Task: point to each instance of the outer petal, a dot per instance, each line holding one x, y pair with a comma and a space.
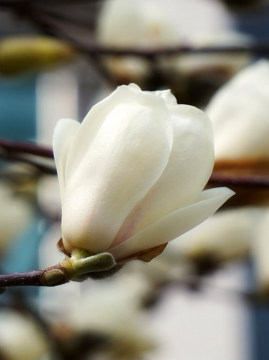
167, 96
187, 172
63, 134
95, 118
174, 224
126, 158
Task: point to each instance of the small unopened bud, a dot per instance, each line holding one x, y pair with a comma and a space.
31, 53
52, 277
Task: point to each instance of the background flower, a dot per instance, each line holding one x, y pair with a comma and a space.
239, 113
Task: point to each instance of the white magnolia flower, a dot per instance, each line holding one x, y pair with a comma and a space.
239, 112
131, 175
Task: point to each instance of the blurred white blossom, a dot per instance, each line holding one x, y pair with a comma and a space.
17, 208
224, 237
137, 25
239, 113
112, 308
260, 254
158, 25
20, 337
48, 194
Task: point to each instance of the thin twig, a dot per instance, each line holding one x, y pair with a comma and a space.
35, 278
43, 168
31, 278
53, 25
250, 181
27, 148
13, 4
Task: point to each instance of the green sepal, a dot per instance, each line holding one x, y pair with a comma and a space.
81, 264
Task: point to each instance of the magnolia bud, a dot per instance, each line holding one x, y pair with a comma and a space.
31, 53
132, 174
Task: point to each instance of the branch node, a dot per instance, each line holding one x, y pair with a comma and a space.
52, 277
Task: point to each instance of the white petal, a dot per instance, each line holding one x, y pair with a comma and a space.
174, 224
93, 121
64, 131
188, 170
168, 97
127, 156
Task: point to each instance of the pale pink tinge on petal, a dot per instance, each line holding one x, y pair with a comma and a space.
173, 225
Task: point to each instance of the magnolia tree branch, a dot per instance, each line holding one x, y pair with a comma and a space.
248, 181
57, 25
26, 148
40, 157
78, 267
104, 263
34, 278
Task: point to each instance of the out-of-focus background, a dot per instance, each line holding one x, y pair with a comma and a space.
207, 295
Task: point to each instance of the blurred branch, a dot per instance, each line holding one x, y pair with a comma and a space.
26, 148
258, 48
35, 155
34, 278
57, 24
43, 168
250, 181
13, 3
56, 275
247, 174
